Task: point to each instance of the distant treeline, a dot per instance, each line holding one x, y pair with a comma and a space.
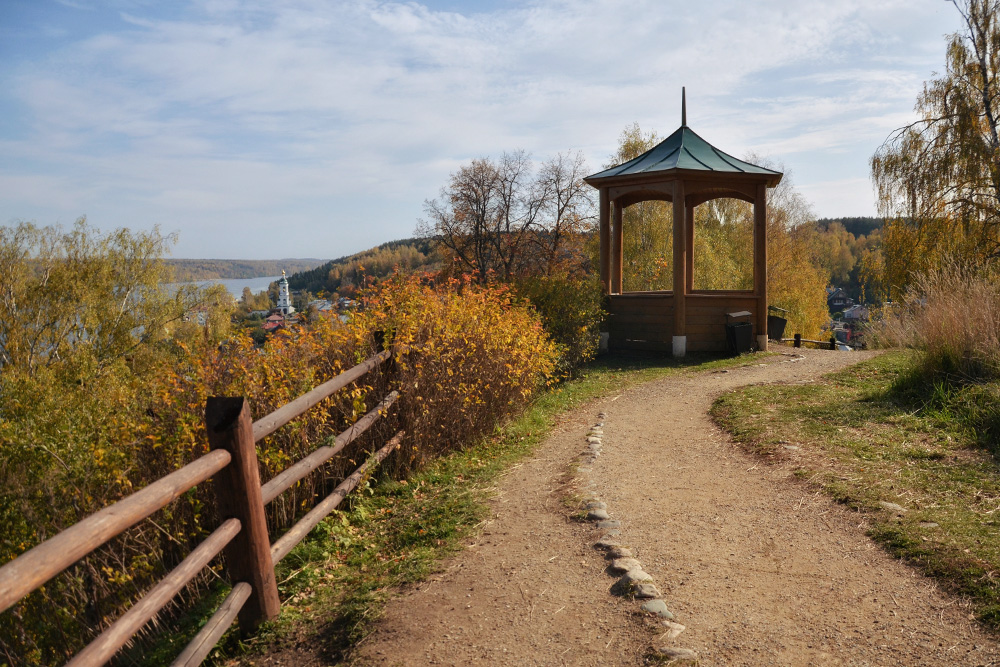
187, 270
840, 245
861, 226
344, 275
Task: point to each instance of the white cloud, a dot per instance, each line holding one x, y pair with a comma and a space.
334, 111
847, 197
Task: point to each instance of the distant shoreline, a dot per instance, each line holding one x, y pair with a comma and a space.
198, 270
233, 285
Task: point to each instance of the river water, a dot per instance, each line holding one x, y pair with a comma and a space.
234, 285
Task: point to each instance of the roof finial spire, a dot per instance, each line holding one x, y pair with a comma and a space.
684, 107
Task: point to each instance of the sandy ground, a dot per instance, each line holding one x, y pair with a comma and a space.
759, 568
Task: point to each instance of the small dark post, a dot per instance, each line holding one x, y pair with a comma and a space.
798, 340
833, 342
237, 488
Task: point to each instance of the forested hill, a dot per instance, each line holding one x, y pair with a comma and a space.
345, 275
839, 244
187, 270
861, 226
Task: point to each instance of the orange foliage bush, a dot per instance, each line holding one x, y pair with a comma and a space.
471, 357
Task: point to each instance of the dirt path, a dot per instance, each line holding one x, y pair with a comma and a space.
758, 568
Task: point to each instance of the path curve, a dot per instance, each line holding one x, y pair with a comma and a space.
758, 568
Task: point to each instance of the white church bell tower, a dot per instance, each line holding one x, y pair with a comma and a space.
284, 301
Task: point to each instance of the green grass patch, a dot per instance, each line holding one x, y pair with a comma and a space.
872, 433
393, 532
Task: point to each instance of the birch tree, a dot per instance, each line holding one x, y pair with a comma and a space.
938, 178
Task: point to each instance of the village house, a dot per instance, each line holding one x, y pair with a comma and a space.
856, 313
274, 322
837, 299
322, 306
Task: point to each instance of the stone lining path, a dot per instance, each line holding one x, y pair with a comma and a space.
743, 564
633, 581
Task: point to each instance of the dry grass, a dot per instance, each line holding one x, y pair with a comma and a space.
952, 315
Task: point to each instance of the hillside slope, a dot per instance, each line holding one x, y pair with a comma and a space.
188, 270
346, 274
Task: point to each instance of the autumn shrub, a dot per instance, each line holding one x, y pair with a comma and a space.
472, 356
67, 454
952, 317
572, 310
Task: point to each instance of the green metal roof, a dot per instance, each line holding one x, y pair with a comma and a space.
685, 150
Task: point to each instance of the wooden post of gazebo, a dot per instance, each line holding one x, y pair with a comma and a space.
605, 231
687, 171
617, 250
760, 262
678, 343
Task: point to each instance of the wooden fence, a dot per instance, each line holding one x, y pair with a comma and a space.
242, 532
798, 340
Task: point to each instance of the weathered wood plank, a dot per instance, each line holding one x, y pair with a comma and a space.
643, 345
642, 317
715, 311
645, 294
680, 260
210, 634
722, 294
716, 330
760, 256
268, 424
298, 532
708, 346
689, 246
111, 640
636, 297
237, 492
617, 249
35, 567
724, 306
643, 309
623, 322
293, 473
605, 232
661, 334
710, 322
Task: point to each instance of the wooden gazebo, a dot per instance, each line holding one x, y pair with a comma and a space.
686, 170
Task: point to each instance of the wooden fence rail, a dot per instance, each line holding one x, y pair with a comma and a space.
242, 533
798, 340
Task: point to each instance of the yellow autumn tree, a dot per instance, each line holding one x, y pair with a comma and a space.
795, 280
938, 178
723, 254
723, 245
647, 242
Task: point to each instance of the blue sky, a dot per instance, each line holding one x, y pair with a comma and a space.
317, 128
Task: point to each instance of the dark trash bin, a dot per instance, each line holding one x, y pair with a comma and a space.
776, 323
739, 334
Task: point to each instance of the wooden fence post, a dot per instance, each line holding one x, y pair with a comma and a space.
798, 340
237, 488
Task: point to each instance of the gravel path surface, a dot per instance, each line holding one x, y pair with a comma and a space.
756, 568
